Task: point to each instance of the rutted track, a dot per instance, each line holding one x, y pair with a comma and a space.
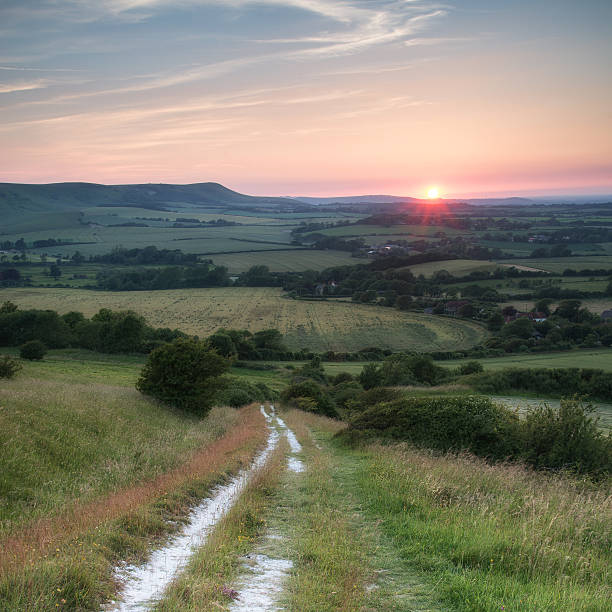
145, 584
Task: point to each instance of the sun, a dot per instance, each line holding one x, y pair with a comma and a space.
433, 193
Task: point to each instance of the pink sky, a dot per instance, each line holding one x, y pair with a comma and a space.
297, 97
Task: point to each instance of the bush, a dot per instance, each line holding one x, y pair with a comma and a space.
471, 367
240, 392
453, 423
372, 397
33, 350
8, 366
557, 382
567, 438
318, 400
185, 373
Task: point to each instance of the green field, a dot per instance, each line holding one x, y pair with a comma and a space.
286, 261
315, 325
559, 264
71, 429
456, 267
390, 230
599, 359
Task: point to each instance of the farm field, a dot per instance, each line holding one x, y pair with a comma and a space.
389, 230
596, 305
97, 240
285, 261
599, 359
456, 267
559, 264
324, 325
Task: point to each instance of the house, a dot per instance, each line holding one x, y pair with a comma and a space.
606, 315
451, 308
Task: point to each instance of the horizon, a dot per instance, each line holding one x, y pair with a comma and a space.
600, 197
310, 97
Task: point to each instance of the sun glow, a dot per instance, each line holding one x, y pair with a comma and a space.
433, 193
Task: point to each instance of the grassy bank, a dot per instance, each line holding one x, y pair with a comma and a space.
94, 474
492, 537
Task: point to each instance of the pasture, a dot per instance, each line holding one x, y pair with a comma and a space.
315, 325
456, 267
559, 264
599, 359
285, 261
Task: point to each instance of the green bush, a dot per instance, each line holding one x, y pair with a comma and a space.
568, 437
372, 397
557, 382
186, 373
456, 423
318, 402
239, 392
8, 366
471, 367
33, 350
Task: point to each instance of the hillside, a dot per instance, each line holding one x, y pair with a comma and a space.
18, 198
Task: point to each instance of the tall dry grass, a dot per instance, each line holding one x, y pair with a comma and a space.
494, 536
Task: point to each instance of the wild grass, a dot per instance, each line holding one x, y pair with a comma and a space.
493, 537
330, 569
67, 561
60, 443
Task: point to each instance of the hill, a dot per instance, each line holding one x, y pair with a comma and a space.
17, 199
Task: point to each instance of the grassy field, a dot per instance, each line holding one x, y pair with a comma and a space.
390, 230
457, 267
559, 264
596, 305
492, 537
326, 325
97, 240
285, 261
600, 358
78, 432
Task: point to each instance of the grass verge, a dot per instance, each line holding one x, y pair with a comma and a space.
67, 561
493, 537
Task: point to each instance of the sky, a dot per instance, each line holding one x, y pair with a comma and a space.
310, 97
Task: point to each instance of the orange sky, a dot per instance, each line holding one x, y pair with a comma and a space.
310, 97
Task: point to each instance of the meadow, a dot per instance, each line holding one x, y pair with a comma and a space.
586, 358
559, 264
315, 325
491, 537
285, 261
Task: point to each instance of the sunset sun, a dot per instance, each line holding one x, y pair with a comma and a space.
433, 193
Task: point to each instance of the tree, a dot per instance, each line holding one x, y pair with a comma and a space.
185, 373
496, 321
8, 366
55, 271
370, 376
34, 350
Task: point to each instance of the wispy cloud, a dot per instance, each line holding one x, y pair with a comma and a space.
22, 86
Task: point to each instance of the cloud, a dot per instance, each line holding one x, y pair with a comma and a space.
22, 86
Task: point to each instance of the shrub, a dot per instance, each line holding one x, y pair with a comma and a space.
372, 397
547, 381
8, 366
321, 402
454, 423
185, 373
240, 392
370, 376
566, 438
471, 367
33, 350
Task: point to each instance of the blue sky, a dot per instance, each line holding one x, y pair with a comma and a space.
310, 96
